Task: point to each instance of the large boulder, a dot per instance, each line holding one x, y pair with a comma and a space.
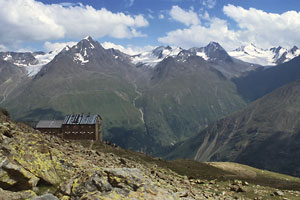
15, 177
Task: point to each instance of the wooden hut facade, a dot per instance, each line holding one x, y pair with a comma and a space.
74, 127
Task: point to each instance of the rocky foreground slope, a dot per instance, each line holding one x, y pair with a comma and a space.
37, 166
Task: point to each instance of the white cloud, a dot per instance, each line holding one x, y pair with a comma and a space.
49, 46
197, 35
161, 16
185, 17
256, 26
3, 48
266, 29
130, 50
30, 20
209, 3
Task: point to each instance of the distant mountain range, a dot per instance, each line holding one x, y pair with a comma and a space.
265, 57
34, 61
147, 101
249, 53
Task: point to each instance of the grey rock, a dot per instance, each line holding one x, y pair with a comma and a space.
182, 194
278, 193
98, 183
46, 197
120, 177
5, 195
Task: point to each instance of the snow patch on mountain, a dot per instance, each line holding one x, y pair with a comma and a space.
152, 58
8, 57
202, 55
80, 58
43, 59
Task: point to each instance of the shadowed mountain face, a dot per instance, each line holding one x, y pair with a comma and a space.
260, 82
185, 95
266, 134
10, 77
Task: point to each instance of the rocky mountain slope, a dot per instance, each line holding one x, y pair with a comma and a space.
265, 134
37, 166
264, 57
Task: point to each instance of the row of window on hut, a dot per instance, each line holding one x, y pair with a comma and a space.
74, 127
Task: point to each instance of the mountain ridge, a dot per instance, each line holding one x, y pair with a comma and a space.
34, 61
265, 57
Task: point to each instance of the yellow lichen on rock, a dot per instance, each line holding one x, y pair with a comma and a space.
37, 163
14, 175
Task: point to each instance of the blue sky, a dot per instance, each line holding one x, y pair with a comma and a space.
136, 25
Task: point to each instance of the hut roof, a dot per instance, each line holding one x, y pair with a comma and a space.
49, 124
81, 119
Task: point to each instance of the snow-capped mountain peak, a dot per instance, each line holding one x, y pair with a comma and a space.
161, 51
273, 56
83, 49
86, 43
212, 52
214, 45
88, 38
